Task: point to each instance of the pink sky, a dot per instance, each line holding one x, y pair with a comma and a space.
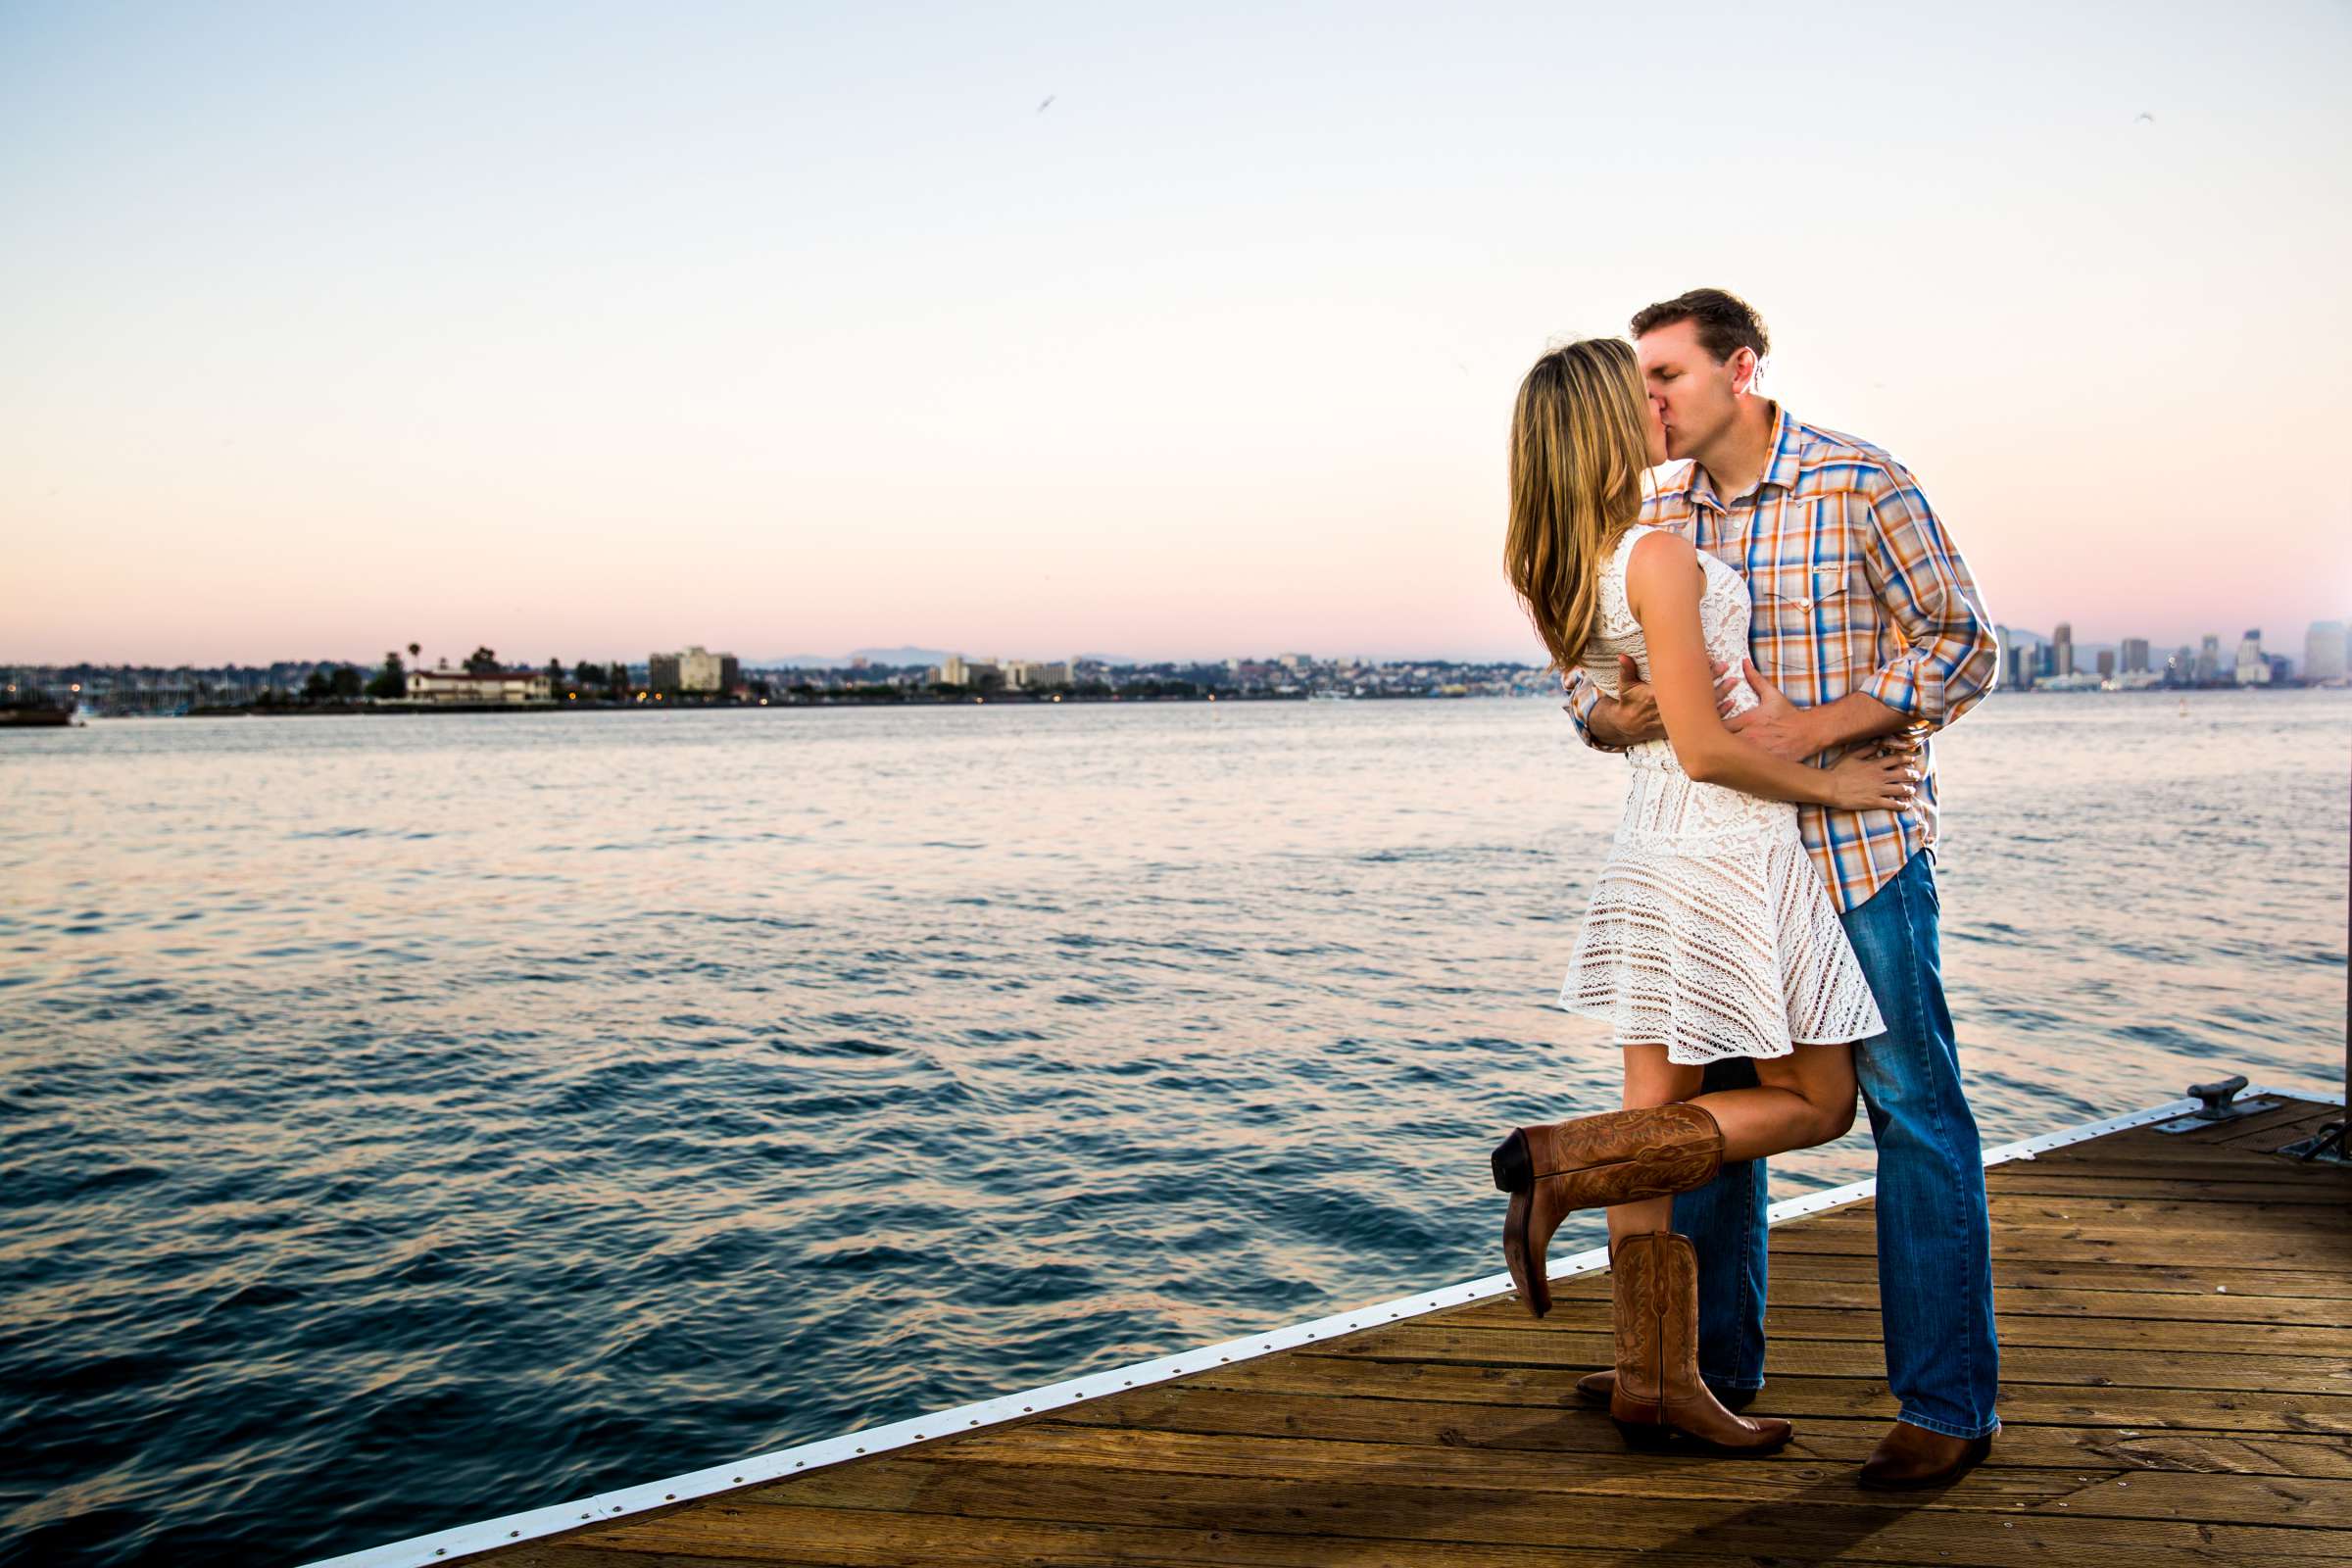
324, 340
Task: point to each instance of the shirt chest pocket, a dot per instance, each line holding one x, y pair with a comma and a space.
1820, 618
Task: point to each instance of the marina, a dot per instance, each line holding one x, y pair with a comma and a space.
2176, 1378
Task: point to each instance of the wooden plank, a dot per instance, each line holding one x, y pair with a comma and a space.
1561, 1430
1596, 1473
2283, 1252
2207, 1165
2166, 1213
1789, 1291
1573, 1348
2142, 1408
2129, 1331
841, 1538
2172, 1494
2205, 1277
2238, 1499
2034, 1178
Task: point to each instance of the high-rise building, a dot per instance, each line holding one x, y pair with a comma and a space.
2253, 666
2062, 649
2209, 660
2323, 651
2106, 664
2017, 659
2136, 655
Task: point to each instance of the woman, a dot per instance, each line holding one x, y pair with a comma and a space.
1709, 934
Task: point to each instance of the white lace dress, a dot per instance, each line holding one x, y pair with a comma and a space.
1709, 932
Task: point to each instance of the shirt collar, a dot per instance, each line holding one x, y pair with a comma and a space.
1781, 470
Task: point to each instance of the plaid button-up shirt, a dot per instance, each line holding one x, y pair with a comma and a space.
1856, 588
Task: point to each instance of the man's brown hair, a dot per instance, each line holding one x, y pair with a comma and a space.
1727, 323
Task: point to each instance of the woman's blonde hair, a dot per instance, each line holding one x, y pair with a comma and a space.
1578, 453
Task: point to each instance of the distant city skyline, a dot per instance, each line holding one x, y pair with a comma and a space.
593, 327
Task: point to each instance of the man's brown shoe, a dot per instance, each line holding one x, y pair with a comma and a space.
1910, 1457
1594, 1387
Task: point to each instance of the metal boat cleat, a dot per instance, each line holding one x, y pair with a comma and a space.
2221, 1103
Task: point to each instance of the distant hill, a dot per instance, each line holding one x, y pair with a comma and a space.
910, 656
872, 656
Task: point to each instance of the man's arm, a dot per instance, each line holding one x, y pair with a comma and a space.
1948, 657
1949, 654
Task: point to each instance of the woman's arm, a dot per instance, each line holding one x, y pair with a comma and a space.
1663, 581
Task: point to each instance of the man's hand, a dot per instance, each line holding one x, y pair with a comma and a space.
1630, 717
1774, 724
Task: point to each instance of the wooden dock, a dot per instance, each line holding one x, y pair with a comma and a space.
2175, 1320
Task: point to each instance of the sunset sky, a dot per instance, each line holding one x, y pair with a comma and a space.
586, 329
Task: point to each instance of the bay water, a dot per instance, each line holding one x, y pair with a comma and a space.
406, 1120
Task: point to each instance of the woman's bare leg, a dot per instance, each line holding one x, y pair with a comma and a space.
1800, 1100
1650, 1080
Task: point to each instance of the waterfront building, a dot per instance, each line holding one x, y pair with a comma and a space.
2183, 665
2323, 651
446, 685
976, 673
2106, 664
2209, 660
1024, 675
2253, 667
2134, 655
2062, 649
696, 672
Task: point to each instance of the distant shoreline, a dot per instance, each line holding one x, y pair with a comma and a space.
1016, 700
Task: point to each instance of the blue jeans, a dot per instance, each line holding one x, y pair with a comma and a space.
1935, 1236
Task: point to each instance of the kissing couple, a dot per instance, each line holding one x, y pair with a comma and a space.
1769, 636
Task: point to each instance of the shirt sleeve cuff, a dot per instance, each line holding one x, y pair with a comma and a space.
1582, 697
1911, 691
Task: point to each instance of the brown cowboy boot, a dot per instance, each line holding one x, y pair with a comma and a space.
1659, 1397
1616, 1158
1596, 1388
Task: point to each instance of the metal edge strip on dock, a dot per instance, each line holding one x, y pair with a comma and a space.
445, 1545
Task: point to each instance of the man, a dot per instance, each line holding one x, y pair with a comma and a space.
1868, 630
